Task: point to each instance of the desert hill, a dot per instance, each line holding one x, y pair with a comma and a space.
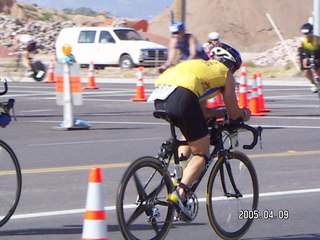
242, 23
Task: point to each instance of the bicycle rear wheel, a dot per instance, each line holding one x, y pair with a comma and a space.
142, 209
15, 71
11, 182
224, 204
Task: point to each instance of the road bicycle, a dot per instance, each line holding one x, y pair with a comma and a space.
143, 211
10, 171
17, 69
313, 63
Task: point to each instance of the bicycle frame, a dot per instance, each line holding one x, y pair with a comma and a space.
170, 148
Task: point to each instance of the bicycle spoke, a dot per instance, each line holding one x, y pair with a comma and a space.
155, 225
139, 210
141, 192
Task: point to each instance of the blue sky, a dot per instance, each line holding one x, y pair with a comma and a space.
142, 9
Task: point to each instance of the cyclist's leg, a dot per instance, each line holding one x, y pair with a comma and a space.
200, 149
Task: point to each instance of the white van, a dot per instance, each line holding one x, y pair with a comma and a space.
120, 46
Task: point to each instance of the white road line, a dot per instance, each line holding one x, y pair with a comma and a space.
93, 142
111, 208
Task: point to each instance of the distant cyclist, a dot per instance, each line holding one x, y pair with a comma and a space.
309, 47
182, 42
29, 44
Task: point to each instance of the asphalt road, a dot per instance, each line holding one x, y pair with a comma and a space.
56, 163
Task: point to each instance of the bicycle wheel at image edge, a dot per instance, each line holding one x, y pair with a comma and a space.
142, 209
11, 182
224, 212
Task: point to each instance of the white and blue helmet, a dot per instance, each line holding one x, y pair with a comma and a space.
176, 27
228, 55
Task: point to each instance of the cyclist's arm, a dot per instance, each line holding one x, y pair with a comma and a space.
210, 113
192, 47
171, 52
230, 100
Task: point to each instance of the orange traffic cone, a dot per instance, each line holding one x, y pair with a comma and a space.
50, 72
140, 97
260, 93
91, 78
219, 100
211, 103
243, 94
254, 102
94, 225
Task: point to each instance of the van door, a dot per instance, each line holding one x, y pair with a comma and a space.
85, 50
106, 51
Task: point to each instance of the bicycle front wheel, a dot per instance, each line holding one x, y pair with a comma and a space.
11, 181
232, 195
142, 209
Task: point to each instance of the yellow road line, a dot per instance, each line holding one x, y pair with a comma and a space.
120, 165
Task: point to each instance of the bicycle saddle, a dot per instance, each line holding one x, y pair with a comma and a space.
163, 114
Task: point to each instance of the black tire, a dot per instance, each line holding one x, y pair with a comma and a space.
317, 81
225, 212
11, 182
15, 71
40, 71
142, 209
126, 62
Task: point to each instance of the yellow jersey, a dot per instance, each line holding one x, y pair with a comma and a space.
311, 46
204, 78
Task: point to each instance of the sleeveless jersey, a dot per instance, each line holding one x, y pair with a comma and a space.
310, 46
204, 78
184, 48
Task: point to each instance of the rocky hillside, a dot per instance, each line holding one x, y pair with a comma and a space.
44, 24
242, 23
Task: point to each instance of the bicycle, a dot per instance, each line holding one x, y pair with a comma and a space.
143, 211
313, 65
17, 69
10, 171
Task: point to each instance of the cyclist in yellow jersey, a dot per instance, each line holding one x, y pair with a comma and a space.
309, 47
182, 91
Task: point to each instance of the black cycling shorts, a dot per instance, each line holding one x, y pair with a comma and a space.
31, 47
185, 108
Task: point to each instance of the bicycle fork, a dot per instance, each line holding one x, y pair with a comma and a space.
226, 160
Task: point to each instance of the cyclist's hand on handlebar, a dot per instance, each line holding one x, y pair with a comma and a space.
162, 68
246, 114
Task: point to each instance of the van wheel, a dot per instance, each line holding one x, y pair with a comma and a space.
126, 62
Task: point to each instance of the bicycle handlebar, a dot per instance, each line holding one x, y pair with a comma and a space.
256, 132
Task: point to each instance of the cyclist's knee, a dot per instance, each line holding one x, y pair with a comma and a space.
202, 155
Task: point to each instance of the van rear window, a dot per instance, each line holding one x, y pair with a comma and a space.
87, 36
